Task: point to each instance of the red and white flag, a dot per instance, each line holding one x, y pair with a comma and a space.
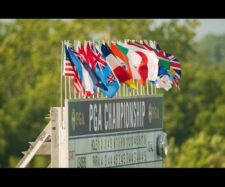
152, 60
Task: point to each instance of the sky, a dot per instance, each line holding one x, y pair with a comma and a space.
214, 26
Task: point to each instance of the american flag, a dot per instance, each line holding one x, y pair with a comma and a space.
70, 71
68, 68
78, 84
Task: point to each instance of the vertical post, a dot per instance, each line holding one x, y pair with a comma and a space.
120, 91
137, 89
54, 121
143, 90
62, 60
126, 91
65, 83
75, 93
147, 88
68, 79
130, 91
69, 88
59, 138
151, 88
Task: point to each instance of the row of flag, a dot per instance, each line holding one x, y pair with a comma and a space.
103, 67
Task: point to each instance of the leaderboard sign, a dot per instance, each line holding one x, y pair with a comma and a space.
115, 133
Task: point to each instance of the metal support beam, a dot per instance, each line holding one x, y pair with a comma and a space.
45, 149
28, 155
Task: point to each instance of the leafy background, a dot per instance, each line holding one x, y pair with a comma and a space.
194, 117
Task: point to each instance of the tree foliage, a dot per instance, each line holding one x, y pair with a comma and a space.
211, 49
30, 54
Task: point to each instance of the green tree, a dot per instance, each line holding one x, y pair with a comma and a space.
201, 151
194, 117
211, 50
30, 55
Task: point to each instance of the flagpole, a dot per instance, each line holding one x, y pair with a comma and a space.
69, 80
126, 90
69, 88
137, 88
141, 42
65, 80
143, 90
131, 90
61, 81
83, 93
99, 43
74, 93
65, 87
97, 94
120, 91
147, 88
151, 88
117, 93
121, 88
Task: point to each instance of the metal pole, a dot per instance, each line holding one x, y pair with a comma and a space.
74, 91
151, 88
76, 47
126, 90
137, 89
143, 90
62, 100
65, 79
68, 78
61, 76
147, 88
69, 82
69, 88
131, 91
